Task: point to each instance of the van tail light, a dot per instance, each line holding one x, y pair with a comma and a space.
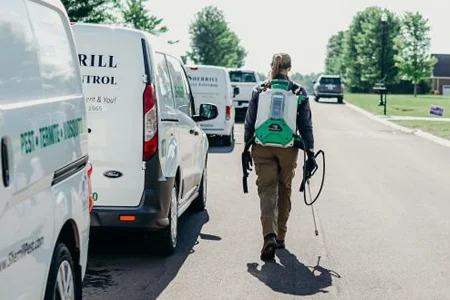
91, 197
228, 113
150, 123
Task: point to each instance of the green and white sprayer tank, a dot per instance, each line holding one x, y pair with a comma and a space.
276, 124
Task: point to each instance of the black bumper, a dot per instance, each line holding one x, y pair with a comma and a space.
330, 95
152, 211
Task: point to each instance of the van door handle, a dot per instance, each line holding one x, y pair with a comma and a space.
173, 120
5, 163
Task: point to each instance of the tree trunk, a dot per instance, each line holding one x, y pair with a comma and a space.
415, 89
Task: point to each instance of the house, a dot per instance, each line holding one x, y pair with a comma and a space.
441, 74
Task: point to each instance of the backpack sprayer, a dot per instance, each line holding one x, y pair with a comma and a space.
276, 126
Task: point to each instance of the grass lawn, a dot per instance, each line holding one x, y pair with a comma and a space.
407, 105
400, 105
441, 129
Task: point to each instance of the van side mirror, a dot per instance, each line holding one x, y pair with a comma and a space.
314, 82
236, 91
207, 112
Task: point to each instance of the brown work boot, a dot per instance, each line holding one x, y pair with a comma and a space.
269, 248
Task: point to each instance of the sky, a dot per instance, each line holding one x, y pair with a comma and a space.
298, 27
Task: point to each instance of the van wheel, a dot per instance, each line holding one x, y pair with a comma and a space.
228, 139
61, 283
199, 203
169, 235
316, 98
340, 100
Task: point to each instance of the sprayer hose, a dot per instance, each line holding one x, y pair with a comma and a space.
320, 152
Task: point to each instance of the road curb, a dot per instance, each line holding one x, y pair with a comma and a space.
417, 132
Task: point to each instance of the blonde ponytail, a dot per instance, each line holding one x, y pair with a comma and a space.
280, 61
276, 66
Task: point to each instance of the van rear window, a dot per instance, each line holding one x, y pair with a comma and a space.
238, 76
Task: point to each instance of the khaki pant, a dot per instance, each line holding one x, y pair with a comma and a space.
275, 168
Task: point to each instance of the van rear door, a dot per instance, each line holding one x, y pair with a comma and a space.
112, 67
209, 85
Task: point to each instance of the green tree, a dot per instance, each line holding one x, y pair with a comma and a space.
212, 41
334, 61
363, 49
135, 14
305, 80
90, 11
352, 65
414, 60
370, 47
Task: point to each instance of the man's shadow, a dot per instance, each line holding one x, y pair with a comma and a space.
292, 277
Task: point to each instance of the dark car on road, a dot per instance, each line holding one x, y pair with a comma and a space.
329, 86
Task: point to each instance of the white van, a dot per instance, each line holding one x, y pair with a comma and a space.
211, 84
44, 199
149, 152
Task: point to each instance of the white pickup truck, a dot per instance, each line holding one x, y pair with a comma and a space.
245, 80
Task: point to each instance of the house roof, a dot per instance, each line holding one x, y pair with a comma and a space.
442, 67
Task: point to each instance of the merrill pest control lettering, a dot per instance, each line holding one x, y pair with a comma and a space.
99, 103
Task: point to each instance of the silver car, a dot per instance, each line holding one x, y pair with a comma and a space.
329, 86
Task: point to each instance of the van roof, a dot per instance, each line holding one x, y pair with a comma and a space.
55, 3
158, 44
206, 67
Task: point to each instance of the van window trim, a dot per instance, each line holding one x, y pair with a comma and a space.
191, 97
168, 73
147, 63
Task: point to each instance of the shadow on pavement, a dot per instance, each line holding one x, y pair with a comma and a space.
216, 146
221, 150
210, 237
292, 277
126, 266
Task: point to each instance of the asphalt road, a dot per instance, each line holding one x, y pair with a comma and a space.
384, 223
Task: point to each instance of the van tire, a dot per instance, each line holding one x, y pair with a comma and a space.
316, 98
340, 99
169, 235
62, 259
199, 204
